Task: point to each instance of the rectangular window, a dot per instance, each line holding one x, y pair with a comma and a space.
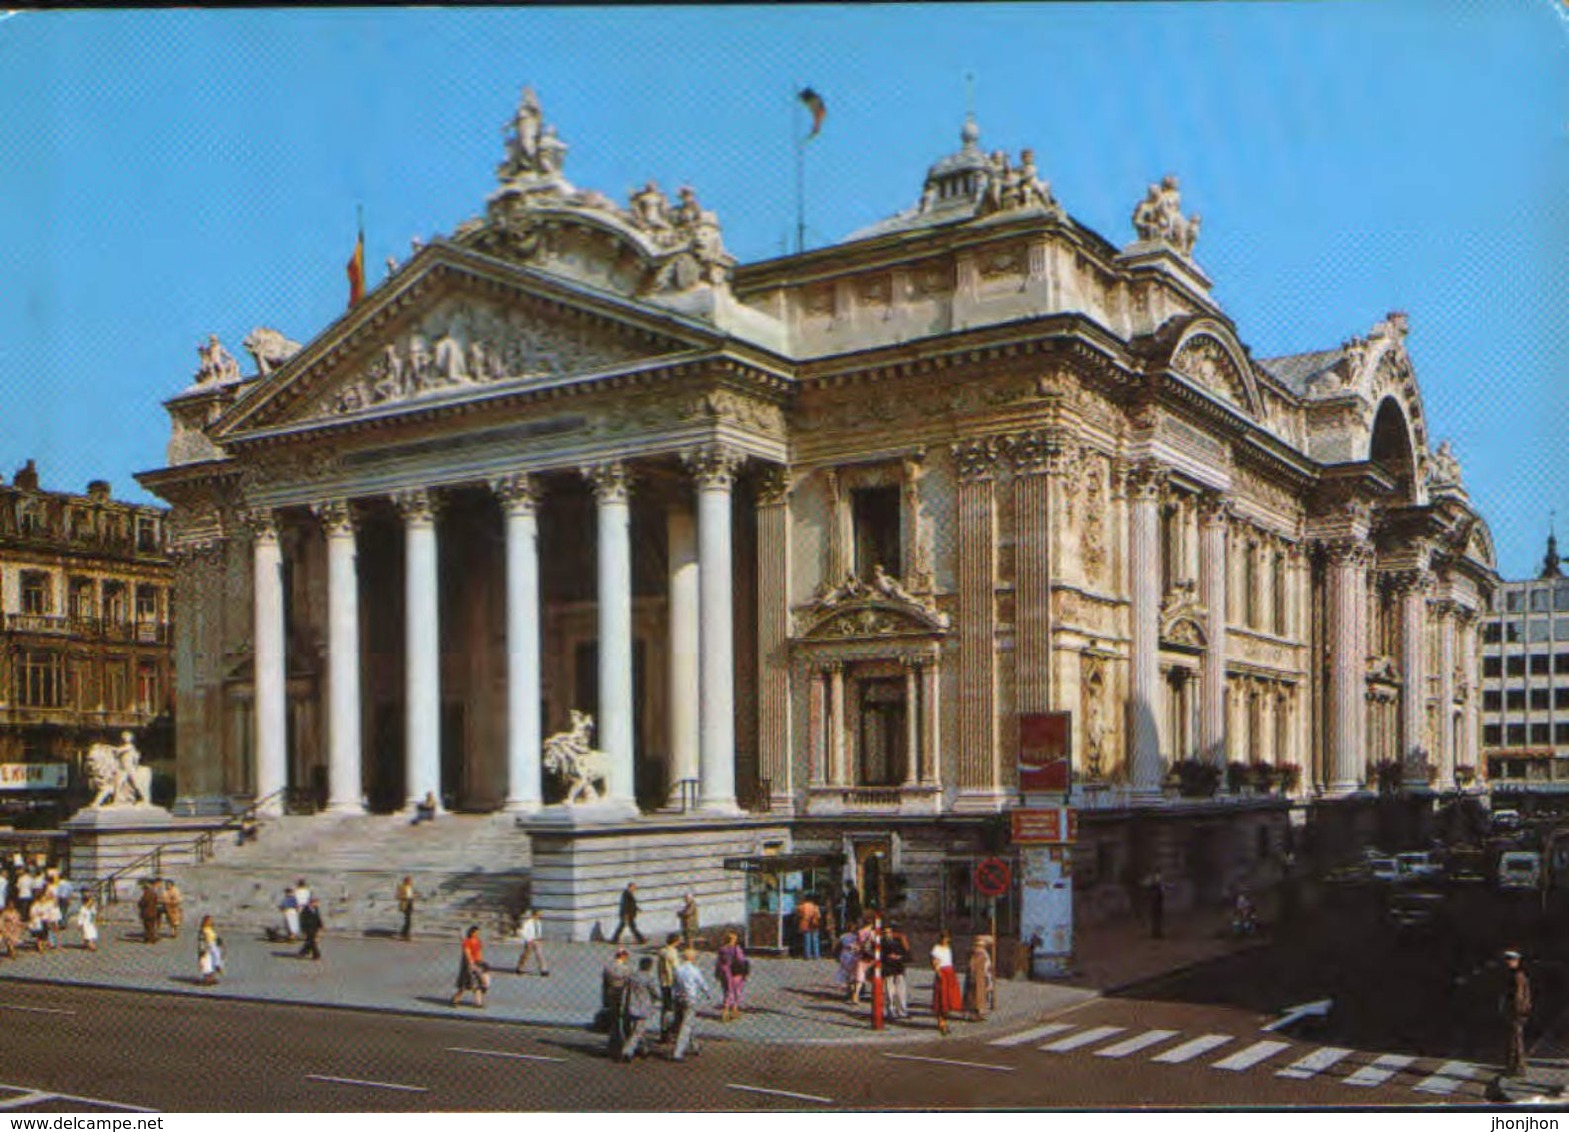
1250, 585
146, 533
1515, 665
1539, 600
35, 591
1513, 601
1561, 664
1492, 633
146, 603
117, 692
1515, 699
1561, 628
84, 599
1540, 631
1561, 734
148, 699
1538, 699
1541, 663
1541, 734
1514, 631
1561, 597
1492, 700
1277, 587
1514, 735
40, 679
114, 603
1492, 735
875, 513
1492, 666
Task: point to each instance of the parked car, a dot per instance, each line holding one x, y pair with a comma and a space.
1520, 870
1383, 868
1418, 866
1506, 821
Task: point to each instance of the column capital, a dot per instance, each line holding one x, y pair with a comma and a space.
418, 506
611, 480
977, 459
262, 522
713, 465
1216, 508
336, 517
1405, 582
774, 484
1348, 551
1144, 479
519, 492
1040, 451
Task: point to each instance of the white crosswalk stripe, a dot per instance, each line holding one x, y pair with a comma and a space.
1188, 1050
1449, 1077
1314, 1063
1137, 1042
1032, 1035
1248, 1058
1083, 1038
1381, 1070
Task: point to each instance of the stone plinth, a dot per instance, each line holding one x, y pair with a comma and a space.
582, 862
111, 838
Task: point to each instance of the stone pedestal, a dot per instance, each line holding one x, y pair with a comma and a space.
109, 839
584, 857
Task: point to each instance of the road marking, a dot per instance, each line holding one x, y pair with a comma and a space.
1134, 1044
36, 1097
1314, 1063
504, 1053
1083, 1038
1450, 1076
1248, 1058
1030, 1035
1187, 1051
949, 1061
25, 1099
366, 1084
782, 1093
35, 1009
1381, 1070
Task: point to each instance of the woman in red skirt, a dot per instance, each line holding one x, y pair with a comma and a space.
946, 998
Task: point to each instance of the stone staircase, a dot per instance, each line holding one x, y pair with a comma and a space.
466, 868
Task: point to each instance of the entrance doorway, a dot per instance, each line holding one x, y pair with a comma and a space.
873, 863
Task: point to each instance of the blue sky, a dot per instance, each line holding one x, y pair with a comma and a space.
166, 174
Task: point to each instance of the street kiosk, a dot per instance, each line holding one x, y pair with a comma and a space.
775, 884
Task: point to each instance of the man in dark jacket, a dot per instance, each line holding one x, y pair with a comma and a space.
896, 957
310, 927
1517, 1012
628, 915
150, 907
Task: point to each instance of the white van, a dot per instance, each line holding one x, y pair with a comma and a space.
1518, 869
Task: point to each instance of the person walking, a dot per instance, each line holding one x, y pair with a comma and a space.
628, 920
291, 915
25, 886
731, 967
612, 980
865, 958
87, 922
173, 904
849, 959
406, 906
979, 979
1517, 1012
689, 922
637, 1006
64, 893
12, 929
669, 960
149, 906
809, 926
531, 931
946, 999
310, 927
472, 975
896, 957
209, 952
692, 990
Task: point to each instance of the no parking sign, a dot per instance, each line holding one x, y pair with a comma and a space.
993, 877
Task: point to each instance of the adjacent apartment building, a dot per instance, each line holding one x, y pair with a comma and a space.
85, 632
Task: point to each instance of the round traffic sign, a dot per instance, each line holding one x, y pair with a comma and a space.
992, 877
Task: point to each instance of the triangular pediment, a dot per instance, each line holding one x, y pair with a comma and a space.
879, 607
453, 326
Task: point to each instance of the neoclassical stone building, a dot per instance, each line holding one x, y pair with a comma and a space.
807, 535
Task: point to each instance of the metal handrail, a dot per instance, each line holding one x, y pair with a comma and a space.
106, 889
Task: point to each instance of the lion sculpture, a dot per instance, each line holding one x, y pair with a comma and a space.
270, 349
117, 776
569, 755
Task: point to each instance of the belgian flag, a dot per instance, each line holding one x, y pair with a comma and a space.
356, 269
819, 109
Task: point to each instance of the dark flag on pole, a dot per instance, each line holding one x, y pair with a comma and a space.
356, 268
819, 109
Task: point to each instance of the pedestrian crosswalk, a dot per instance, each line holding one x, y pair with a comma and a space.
1230, 1053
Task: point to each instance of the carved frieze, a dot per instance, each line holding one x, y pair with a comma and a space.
1208, 362
730, 407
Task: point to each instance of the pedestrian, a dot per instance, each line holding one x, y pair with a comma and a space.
692, 990
310, 927
38, 923
12, 929
302, 895
406, 906
637, 1006
1156, 898
25, 883
628, 920
849, 952
173, 907
472, 973
946, 999
850, 905
865, 958
612, 980
64, 893
149, 905
689, 924
87, 922
980, 981
896, 957
209, 952
291, 915
1516, 1007
531, 930
809, 926
669, 960
731, 967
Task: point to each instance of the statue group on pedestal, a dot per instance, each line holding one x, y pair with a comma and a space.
569, 755
1158, 217
116, 774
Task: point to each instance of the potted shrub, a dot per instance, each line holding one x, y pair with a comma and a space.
1195, 779
1387, 775
1290, 777
1237, 776
1263, 776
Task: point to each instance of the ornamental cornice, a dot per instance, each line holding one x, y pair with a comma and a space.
713, 466
611, 481
977, 459
1042, 451
1402, 583
519, 492
774, 484
198, 552
879, 607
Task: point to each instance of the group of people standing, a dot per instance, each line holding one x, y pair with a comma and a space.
35, 905
876, 945
302, 919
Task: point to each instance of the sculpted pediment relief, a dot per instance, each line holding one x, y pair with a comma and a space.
881, 607
1207, 361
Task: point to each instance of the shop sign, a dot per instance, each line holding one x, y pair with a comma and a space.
34, 776
1050, 825
1044, 751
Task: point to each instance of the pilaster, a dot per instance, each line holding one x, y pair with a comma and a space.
979, 771
773, 634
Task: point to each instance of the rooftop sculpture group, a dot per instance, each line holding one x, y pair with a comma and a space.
1158, 218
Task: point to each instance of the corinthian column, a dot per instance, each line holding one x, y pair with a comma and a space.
421, 648
1144, 482
684, 648
612, 489
714, 467
1347, 584
1447, 613
1412, 589
1214, 518
519, 495
272, 761
344, 781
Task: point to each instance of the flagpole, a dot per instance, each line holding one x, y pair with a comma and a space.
800, 177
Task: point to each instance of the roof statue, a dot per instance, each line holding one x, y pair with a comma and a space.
217, 364
1158, 218
270, 349
1444, 469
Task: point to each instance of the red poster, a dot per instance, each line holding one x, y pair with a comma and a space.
1044, 751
